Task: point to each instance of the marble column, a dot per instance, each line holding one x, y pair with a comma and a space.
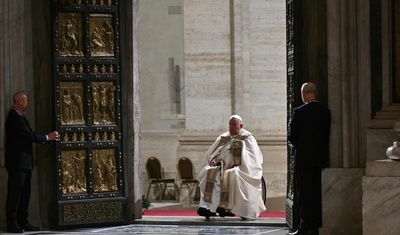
348, 82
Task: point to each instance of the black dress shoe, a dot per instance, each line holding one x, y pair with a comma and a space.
222, 212
14, 228
28, 227
205, 212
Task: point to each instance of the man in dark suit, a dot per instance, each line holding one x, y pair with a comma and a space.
309, 131
19, 163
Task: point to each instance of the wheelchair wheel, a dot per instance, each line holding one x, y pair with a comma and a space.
263, 191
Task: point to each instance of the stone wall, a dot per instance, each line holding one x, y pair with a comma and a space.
16, 73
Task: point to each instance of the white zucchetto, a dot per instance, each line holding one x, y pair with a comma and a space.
236, 117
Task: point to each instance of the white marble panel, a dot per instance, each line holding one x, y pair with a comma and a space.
341, 201
381, 205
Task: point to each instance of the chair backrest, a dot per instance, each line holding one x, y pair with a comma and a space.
153, 167
185, 168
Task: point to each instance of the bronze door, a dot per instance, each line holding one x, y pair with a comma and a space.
292, 86
87, 79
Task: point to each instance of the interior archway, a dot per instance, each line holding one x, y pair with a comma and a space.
202, 61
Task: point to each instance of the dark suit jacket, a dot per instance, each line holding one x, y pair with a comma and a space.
309, 131
19, 139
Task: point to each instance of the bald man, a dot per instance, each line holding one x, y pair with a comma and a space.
230, 180
308, 132
19, 163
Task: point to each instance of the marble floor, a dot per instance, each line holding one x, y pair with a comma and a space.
142, 229
161, 225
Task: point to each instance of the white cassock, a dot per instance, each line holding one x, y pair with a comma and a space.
237, 189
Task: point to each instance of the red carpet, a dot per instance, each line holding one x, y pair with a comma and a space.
194, 213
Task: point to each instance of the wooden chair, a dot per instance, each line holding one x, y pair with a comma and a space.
186, 173
154, 176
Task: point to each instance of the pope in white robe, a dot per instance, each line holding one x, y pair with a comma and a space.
230, 180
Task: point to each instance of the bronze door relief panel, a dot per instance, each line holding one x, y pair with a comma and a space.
87, 83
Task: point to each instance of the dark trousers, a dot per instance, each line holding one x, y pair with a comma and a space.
18, 195
308, 185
